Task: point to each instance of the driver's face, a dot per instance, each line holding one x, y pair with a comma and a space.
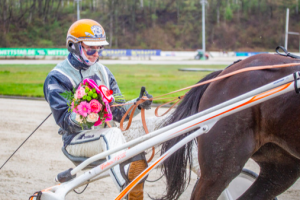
87, 49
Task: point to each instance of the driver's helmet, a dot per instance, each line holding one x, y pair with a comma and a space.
87, 31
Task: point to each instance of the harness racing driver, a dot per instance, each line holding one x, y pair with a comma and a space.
85, 40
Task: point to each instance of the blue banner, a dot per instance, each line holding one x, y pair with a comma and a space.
113, 52
138, 52
129, 52
247, 53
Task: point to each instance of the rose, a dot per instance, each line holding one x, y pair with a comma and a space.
78, 119
93, 117
95, 106
80, 92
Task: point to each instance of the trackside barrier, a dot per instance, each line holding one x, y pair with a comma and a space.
62, 52
130, 52
23, 52
29, 52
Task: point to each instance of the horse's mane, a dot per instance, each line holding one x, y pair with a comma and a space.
176, 176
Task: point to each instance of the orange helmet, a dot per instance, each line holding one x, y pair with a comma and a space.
90, 33
87, 31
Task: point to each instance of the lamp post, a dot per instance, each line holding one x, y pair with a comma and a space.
78, 10
286, 28
203, 26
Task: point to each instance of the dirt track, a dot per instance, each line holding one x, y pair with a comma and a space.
40, 159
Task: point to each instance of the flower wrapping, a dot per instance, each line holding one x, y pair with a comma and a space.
90, 102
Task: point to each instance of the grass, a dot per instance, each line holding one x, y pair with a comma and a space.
28, 80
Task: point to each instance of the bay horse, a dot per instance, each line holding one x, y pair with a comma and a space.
269, 133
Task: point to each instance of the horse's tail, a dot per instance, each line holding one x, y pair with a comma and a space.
175, 167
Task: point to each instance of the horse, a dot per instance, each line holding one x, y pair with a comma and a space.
269, 133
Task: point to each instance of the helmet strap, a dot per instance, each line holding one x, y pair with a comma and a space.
75, 49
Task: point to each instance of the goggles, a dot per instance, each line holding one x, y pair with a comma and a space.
90, 51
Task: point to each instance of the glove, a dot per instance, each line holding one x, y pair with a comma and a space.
146, 104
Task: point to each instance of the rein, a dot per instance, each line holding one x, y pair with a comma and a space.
133, 107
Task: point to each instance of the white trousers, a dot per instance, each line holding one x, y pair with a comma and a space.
91, 142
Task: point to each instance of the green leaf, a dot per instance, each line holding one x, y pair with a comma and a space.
89, 124
68, 95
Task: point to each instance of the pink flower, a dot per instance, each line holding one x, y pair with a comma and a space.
92, 117
84, 108
95, 106
80, 92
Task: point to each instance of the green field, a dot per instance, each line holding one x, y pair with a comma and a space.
28, 80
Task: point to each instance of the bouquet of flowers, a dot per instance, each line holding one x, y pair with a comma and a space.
90, 103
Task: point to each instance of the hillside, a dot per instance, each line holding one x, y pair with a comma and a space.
231, 25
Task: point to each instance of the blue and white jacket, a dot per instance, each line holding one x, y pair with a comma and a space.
64, 77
